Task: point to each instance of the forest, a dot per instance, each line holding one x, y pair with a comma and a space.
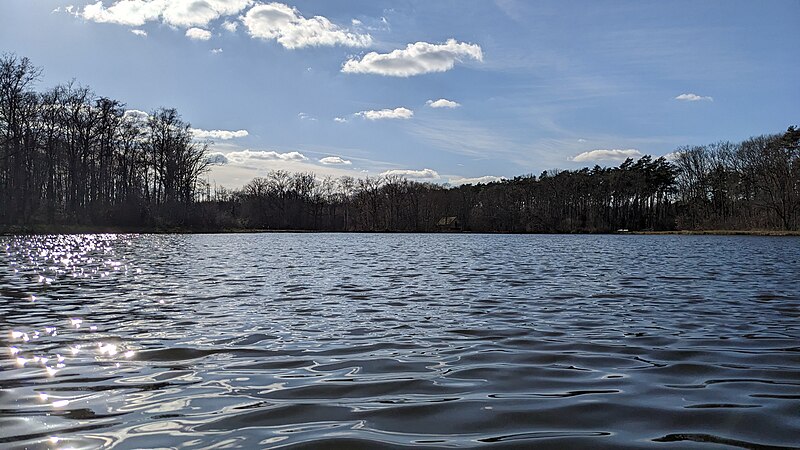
70, 157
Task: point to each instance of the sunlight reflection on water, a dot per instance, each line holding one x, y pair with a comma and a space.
383, 340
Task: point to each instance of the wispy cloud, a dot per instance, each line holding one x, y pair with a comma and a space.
217, 134
139, 32
234, 167
216, 51
424, 174
606, 155
285, 24
244, 156
442, 103
416, 59
689, 97
230, 26
305, 116
335, 161
467, 138
397, 113
458, 181
340, 119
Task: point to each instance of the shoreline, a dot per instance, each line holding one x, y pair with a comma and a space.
85, 229
720, 232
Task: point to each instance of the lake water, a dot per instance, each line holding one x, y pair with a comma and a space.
390, 340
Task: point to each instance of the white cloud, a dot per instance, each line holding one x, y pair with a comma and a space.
415, 59
581, 140
68, 9
397, 113
284, 24
304, 116
689, 97
198, 34
216, 51
217, 158
239, 167
135, 114
458, 181
125, 12
230, 26
218, 134
335, 160
177, 13
186, 13
442, 103
244, 156
340, 119
139, 32
607, 155
408, 173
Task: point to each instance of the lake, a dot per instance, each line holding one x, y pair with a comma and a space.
391, 340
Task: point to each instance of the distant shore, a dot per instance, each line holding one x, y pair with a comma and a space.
6, 230
723, 232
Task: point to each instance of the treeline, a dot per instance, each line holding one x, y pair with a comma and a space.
71, 157
635, 195
754, 184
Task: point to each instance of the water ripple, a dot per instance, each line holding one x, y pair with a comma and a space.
391, 341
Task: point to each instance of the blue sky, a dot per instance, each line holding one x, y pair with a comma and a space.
527, 86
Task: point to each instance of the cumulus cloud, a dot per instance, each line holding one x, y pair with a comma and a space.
177, 13
458, 181
408, 173
285, 25
397, 113
607, 155
198, 34
340, 119
217, 158
135, 114
689, 97
242, 157
139, 32
216, 51
335, 160
125, 12
415, 59
442, 103
218, 134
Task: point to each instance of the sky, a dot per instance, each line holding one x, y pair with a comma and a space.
441, 91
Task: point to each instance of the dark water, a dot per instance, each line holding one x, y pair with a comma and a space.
372, 341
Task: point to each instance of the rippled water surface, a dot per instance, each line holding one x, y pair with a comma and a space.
371, 341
